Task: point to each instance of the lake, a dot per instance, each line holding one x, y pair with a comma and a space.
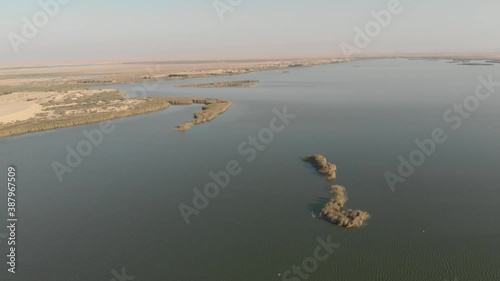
120, 207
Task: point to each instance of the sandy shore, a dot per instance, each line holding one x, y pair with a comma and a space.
18, 111
21, 106
34, 106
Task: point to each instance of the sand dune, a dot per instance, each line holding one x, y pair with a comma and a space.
18, 111
21, 106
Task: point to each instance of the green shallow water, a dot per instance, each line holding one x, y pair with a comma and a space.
119, 208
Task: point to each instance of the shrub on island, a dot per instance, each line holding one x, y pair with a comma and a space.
320, 163
335, 213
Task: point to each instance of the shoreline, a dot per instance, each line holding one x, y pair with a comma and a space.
83, 77
28, 126
63, 84
211, 109
28, 116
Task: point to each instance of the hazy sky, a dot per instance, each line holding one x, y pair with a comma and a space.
192, 29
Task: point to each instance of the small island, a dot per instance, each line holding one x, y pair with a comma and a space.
320, 163
211, 109
477, 63
335, 213
240, 84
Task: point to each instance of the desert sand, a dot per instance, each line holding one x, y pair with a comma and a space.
18, 111
21, 106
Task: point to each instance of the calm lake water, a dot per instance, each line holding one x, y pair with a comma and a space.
119, 208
